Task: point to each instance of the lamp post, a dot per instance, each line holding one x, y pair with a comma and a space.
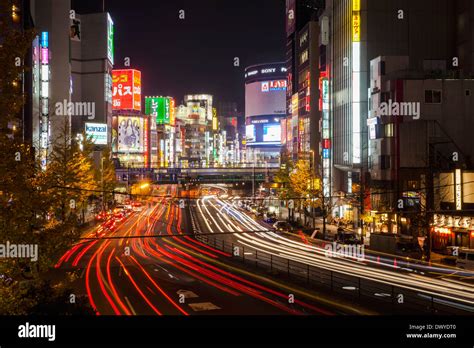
102, 183
312, 187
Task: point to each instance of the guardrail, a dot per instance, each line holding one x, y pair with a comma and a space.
389, 297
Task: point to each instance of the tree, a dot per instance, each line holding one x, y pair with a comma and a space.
25, 200
14, 44
70, 174
282, 177
300, 178
105, 175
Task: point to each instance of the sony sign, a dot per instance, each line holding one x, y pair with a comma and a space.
268, 71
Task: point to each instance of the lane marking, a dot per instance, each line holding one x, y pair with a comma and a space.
203, 306
130, 305
187, 293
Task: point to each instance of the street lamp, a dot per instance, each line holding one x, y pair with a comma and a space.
102, 183
312, 187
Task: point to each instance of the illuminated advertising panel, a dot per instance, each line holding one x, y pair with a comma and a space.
97, 133
215, 123
137, 90
166, 116
265, 98
276, 85
151, 106
283, 123
356, 26
146, 144
126, 89
161, 108
130, 137
294, 104
250, 133
272, 133
110, 39
172, 112
356, 81
458, 188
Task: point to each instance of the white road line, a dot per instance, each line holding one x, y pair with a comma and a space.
130, 305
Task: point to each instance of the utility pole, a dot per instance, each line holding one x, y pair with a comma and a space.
312, 187
253, 182
102, 183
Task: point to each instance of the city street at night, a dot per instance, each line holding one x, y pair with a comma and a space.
236, 173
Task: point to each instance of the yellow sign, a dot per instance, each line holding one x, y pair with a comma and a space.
355, 5
356, 26
294, 104
215, 124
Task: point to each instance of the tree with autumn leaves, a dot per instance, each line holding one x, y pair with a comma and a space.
35, 204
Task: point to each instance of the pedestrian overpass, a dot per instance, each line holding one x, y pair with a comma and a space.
218, 175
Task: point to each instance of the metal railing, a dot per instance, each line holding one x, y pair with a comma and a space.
386, 297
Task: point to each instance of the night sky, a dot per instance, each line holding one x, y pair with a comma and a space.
194, 55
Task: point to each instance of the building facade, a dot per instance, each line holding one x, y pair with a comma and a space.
265, 90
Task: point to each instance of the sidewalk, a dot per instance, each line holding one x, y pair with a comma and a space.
331, 229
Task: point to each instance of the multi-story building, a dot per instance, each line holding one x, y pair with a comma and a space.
69, 82
359, 31
417, 141
130, 127
229, 123
265, 90
162, 114
92, 59
197, 115
307, 122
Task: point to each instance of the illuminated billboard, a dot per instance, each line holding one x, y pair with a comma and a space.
196, 112
215, 121
250, 133
172, 112
126, 90
97, 133
272, 133
276, 85
110, 39
131, 134
262, 99
161, 108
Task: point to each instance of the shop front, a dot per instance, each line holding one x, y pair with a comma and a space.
447, 230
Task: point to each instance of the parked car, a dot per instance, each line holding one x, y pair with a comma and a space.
409, 249
347, 237
282, 226
269, 218
465, 259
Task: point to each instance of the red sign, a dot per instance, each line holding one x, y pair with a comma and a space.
326, 144
146, 153
126, 90
278, 84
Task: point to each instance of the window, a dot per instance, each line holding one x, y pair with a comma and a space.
304, 56
382, 68
384, 161
432, 96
